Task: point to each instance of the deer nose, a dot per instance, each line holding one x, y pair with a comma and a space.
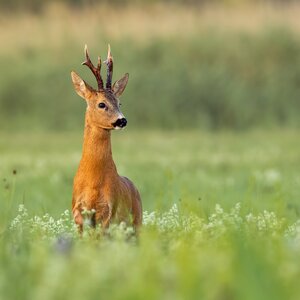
122, 122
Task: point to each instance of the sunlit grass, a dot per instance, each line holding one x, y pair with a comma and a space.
197, 168
221, 218
221, 209
176, 255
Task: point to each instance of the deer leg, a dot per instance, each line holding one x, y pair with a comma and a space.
108, 216
137, 212
78, 220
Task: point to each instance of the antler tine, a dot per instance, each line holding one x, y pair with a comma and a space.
109, 63
95, 70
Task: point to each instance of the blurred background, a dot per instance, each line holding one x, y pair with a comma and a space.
218, 64
212, 101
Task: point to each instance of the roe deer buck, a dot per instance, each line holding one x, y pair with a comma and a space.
97, 186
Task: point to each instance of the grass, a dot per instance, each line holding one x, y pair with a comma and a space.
221, 208
220, 221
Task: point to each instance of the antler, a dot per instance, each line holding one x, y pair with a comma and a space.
95, 70
109, 63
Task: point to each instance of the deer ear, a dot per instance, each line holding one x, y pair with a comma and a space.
81, 87
120, 85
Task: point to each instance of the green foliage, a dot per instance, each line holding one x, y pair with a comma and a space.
214, 80
176, 255
190, 247
37, 6
197, 168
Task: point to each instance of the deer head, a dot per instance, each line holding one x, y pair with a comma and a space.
103, 104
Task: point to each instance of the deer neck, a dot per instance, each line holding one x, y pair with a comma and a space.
97, 161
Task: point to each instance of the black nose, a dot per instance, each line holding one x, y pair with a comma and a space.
120, 123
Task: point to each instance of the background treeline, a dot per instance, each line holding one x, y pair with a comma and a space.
196, 77
38, 5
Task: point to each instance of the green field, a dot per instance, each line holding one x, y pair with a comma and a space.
212, 144
221, 213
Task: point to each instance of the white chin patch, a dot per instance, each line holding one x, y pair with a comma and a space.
118, 128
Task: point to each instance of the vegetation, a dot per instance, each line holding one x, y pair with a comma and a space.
37, 6
212, 144
221, 219
188, 75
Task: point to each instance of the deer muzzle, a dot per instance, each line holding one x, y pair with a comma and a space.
120, 123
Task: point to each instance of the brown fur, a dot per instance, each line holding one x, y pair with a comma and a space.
97, 184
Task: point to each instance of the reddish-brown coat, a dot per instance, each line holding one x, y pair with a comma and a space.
97, 185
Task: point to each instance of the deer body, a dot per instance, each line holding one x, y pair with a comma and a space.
97, 185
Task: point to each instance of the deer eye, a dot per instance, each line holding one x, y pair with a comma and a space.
101, 105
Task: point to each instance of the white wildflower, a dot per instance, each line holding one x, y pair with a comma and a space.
219, 210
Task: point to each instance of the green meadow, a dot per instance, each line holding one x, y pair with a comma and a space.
221, 218
212, 144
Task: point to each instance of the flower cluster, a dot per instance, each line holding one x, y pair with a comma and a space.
169, 220
120, 232
218, 223
46, 226
20, 219
293, 234
265, 222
